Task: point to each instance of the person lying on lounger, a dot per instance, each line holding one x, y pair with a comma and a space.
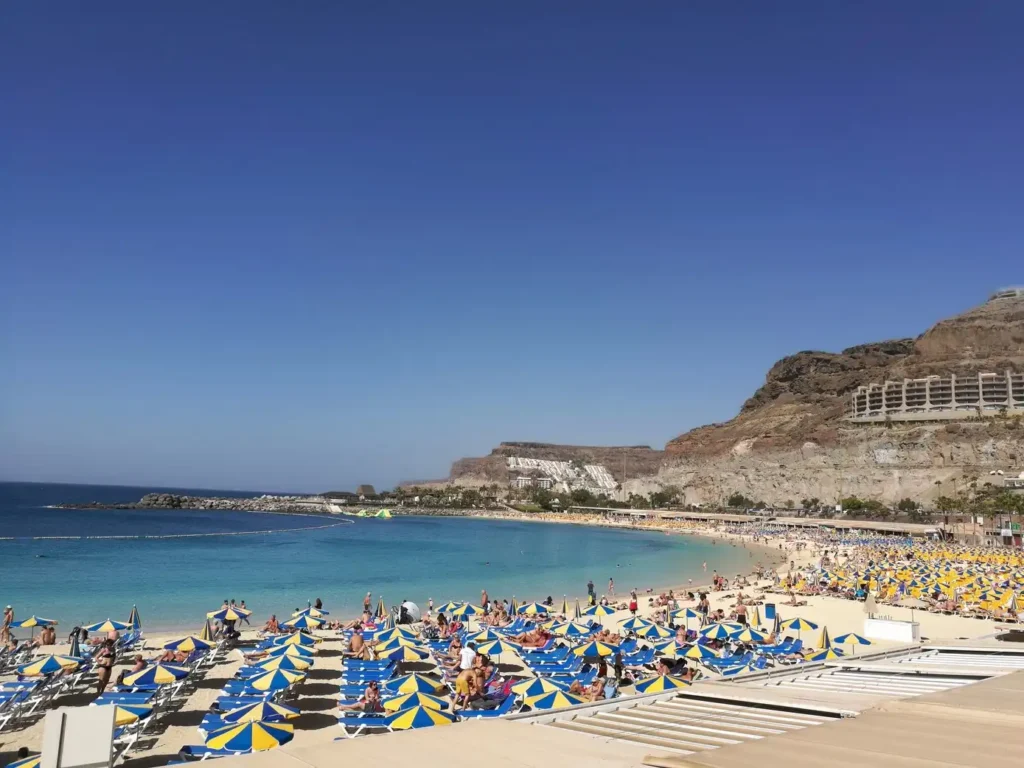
368, 702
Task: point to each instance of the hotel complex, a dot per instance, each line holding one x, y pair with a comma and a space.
939, 398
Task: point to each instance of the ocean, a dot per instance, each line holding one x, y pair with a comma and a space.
283, 561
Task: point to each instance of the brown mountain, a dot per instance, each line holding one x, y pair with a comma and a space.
791, 439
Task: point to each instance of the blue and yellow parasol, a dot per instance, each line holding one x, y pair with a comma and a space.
553, 700
417, 717
660, 683
157, 674
48, 665
263, 711
255, 736
276, 680
414, 699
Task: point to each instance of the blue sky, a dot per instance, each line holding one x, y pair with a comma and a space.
302, 246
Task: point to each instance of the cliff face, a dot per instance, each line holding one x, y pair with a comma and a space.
790, 441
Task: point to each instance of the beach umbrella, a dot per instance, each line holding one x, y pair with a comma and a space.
533, 609
394, 645
451, 605
157, 674
654, 632
75, 651
296, 638
553, 700
411, 684
824, 639
577, 612
265, 711
660, 683
698, 652
825, 654
388, 635
573, 629
749, 635
497, 647
231, 613
257, 736
107, 626
754, 620
304, 622
126, 714
418, 717
565, 606
316, 613
276, 680
134, 621
669, 650
388, 623
596, 649
536, 686
298, 651
47, 665
291, 663
28, 762
851, 639
206, 635
414, 699
777, 626
800, 625
382, 610
720, 631
466, 609
187, 644
34, 621
635, 623
407, 654
486, 636
685, 614
599, 610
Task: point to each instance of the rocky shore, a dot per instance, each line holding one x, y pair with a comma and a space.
304, 504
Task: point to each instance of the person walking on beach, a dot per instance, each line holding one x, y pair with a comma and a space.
632, 602
5, 629
366, 603
611, 587
245, 616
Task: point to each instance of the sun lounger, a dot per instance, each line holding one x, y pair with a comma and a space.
356, 723
202, 752
125, 698
507, 706
227, 703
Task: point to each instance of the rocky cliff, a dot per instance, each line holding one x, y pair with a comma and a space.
790, 440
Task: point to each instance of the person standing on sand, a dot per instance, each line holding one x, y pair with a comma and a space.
366, 602
705, 566
611, 587
5, 629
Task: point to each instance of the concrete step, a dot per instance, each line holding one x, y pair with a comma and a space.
609, 733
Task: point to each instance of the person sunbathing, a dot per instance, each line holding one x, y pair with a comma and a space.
368, 702
596, 690
357, 647
272, 627
172, 657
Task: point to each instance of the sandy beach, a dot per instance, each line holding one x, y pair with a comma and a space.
317, 696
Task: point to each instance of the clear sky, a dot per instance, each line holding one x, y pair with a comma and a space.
307, 245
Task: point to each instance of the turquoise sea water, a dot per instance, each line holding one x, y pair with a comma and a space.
175, 580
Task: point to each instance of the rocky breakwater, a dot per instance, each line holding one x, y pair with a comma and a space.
295, 504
